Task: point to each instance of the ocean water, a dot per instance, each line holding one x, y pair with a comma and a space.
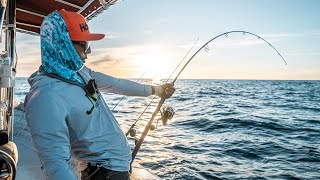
228, 129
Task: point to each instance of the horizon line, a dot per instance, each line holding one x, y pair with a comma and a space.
135, 78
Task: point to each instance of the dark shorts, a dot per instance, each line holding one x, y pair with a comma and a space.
100, 173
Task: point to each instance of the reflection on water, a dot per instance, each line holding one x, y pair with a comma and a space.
229, 130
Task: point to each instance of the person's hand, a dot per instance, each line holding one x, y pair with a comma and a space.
164, 91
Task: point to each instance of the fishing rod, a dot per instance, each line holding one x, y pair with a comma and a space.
226, 34
166, 81
162, 100
131, 131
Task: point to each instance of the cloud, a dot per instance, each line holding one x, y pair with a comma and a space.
101, 60
315, 33
292, 34
303, 53
129, 51
283, 35
29, 54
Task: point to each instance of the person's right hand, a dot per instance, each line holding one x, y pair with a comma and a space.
164, 91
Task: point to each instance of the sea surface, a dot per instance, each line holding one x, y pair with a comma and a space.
227, 129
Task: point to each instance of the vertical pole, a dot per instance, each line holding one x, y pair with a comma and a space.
11, 31
8, 149
3, 6
3, 108
11, 49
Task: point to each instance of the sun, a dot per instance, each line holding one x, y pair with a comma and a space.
157, 65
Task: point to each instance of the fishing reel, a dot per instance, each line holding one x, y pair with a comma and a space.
167, 113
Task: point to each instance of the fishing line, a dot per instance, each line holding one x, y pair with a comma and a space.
183, 59
113, 84
166, 80
133, 125
162, 100
226, 34
125, 95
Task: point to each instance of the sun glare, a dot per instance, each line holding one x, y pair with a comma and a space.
156, 65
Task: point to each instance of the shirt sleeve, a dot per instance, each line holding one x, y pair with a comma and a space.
48, 126
114, 85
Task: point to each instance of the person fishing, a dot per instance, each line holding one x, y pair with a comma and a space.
65, 111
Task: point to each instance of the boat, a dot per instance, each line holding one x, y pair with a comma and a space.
18, 156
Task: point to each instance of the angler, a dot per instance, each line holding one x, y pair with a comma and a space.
80, 124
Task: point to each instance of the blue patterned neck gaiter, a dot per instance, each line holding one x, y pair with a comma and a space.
58, 54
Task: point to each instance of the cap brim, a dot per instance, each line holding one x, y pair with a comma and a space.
95, 37
91, 37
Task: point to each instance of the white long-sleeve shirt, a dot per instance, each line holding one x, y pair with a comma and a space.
61, 128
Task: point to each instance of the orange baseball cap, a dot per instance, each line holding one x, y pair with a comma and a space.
78, 27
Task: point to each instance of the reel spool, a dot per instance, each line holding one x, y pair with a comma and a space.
167, 113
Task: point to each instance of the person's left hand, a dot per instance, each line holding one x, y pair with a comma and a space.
165, 91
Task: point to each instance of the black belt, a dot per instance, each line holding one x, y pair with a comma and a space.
99, 172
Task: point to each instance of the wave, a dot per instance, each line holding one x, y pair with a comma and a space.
230, 130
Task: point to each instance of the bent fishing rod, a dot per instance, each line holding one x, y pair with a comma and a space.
131, 130
162, 100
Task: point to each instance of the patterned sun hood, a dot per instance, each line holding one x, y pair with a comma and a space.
58, 54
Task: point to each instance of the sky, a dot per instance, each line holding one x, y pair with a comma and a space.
148, 39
